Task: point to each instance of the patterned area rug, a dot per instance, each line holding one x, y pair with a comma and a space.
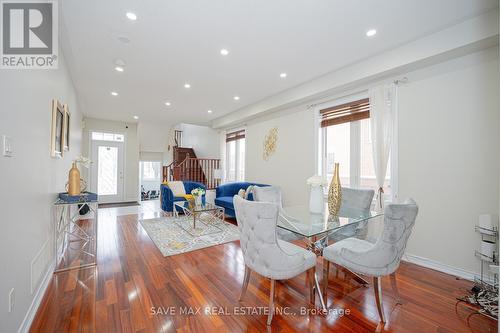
175, 236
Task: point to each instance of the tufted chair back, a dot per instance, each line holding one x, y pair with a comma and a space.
357, 198
268, 194
384, 256
262, 251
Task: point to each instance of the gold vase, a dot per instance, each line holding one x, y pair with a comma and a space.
335, 193
74, 180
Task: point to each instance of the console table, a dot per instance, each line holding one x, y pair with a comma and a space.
75, 239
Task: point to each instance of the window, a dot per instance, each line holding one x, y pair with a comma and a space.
99, 136
345, 137
235, 154
151, 170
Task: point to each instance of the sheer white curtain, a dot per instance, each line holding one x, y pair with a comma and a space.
222, 145
382, 104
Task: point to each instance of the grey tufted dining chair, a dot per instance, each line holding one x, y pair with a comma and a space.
266, 255
379, 259
358, 199
273, 194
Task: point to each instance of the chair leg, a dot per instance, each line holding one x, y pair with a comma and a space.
310, 281
378, 297
271, 302
326, 271
395, 288
245, 282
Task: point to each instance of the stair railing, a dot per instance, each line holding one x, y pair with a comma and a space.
200, 170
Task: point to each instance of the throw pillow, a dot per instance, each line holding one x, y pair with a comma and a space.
241, 193
248, 192
177, 188
189, 197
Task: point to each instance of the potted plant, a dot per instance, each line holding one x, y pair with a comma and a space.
197, 193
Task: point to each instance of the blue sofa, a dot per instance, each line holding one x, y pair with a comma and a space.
168, 199
224, 195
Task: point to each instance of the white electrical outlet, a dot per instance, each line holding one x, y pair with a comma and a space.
11, 300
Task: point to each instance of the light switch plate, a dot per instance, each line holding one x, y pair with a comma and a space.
7, 146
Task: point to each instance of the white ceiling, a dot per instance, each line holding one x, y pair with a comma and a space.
178, 41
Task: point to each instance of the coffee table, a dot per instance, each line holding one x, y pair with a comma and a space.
204, 214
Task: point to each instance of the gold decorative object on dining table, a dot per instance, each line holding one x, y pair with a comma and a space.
270, 143
335, 193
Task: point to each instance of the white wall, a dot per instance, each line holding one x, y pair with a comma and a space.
203, 139
449, 156
293, 161
31, 179
153, 137
131, 169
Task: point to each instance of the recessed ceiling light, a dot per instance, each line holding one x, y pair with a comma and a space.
236, 98
123, 39
119, 69
114, 93
131, 16
371, 33
283, 75
209, 111
136, 117
168, 103
224, 52
187, 85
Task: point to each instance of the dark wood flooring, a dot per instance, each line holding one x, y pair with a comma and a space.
135, 289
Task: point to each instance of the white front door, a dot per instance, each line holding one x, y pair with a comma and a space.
106, 177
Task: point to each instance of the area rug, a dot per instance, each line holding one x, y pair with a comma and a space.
176, 235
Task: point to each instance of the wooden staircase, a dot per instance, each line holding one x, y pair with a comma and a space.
186, 166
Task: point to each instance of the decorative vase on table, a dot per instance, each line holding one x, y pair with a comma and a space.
74, 180
335, 193
316, 200
197, 200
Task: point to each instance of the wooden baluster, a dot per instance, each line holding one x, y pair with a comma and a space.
209, 174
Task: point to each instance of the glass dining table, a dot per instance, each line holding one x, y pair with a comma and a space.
316, 228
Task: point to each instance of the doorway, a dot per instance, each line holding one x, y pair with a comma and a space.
107, 172
150, 178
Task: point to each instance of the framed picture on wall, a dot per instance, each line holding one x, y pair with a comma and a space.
67, 118
57, 130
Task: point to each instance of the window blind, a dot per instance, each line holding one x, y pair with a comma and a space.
233, 136
345, 113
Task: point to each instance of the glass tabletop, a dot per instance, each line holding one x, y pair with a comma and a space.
189, 205
300, 220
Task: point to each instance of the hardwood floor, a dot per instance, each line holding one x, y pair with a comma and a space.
135, 289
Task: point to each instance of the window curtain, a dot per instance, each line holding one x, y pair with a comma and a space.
222, 145
382, 104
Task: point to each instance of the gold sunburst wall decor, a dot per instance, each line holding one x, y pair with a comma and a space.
270, 143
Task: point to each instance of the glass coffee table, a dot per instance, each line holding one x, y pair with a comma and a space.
201, 218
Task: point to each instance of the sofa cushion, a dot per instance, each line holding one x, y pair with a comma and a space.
226, 202
177, 188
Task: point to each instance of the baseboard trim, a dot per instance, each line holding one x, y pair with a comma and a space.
438, 266
37, 300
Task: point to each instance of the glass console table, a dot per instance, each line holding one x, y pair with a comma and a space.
75, 235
